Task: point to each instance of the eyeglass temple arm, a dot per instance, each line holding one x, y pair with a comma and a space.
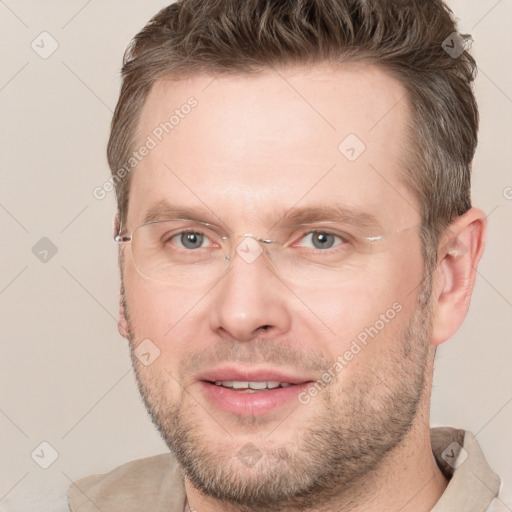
122, 238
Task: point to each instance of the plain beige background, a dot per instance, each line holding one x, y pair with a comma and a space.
65, 372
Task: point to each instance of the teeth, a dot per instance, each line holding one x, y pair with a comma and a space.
271, 384
257, 385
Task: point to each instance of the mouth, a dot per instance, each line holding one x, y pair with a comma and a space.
249, 392
252, 387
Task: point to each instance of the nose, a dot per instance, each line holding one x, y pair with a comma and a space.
250, 301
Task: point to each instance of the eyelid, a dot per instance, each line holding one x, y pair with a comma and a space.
194, 226
342, 240
296, 239
207, 236
288, 235
179, 243
343, 235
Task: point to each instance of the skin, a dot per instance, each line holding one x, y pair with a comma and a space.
254, 147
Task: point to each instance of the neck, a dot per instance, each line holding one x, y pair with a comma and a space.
407, 480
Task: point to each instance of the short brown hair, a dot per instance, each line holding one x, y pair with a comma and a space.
403, 37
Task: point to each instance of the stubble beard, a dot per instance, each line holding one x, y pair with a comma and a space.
336, 447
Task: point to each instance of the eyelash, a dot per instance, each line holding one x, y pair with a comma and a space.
343, 239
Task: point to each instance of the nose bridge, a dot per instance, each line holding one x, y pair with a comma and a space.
259, 239
250, 296
248, 247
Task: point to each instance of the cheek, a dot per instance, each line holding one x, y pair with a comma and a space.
373, 305
161, 322
159, 312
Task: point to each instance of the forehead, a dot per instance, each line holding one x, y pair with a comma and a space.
244, 145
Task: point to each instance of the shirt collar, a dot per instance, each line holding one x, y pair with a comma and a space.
472, 483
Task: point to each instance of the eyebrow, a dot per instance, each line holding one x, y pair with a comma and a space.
163, 210
335, 212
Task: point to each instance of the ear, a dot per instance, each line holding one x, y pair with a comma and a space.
117, 223
460, 249
122, 323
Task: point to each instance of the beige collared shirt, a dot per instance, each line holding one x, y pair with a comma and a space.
155, 484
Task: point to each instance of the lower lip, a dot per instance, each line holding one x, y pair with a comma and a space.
251, 404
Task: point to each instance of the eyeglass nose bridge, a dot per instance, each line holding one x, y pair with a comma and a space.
249, 254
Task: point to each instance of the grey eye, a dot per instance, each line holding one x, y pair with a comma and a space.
191, 240
321, 240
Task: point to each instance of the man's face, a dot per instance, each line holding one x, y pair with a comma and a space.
252, 150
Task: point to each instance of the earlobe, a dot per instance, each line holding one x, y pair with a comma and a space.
460, 250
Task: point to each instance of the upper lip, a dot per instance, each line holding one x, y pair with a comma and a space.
240, 374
